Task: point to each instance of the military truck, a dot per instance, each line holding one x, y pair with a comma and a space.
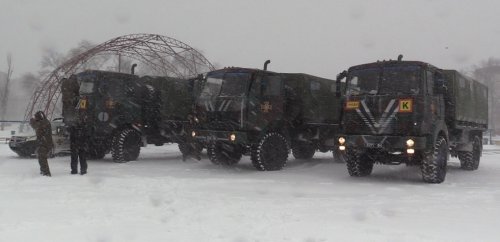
127, 112
243, 111
414, 113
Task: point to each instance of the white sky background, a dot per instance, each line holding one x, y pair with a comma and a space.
316, 37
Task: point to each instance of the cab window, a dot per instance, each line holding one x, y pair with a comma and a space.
430, 82
271, 85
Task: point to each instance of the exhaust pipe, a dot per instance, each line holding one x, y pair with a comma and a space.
132, 71
265, 64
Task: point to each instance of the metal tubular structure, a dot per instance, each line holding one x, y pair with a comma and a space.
164, 55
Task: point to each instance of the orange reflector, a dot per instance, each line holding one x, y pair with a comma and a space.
352, 105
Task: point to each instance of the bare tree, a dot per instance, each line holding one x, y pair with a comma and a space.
51, 58
5, 93
29, 82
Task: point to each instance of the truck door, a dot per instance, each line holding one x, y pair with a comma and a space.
326, 105
433, 99
266, 100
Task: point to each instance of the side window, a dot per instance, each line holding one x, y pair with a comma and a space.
271, 85
315, 88
430, 82
255, 85
461, 82
333, 88
353, 86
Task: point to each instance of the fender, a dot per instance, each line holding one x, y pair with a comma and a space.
438, 127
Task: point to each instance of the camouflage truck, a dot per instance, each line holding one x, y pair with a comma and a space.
412, 112
126, 112
264, 114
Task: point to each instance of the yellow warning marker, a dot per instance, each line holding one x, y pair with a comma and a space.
406, 105
352, 105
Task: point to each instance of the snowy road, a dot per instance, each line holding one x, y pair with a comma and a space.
161, 198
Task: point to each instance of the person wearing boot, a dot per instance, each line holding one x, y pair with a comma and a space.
79, 136
45, 144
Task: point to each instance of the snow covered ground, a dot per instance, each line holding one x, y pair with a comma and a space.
161, 198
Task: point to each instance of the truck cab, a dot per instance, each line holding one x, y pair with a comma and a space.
112, 104
405, 112
263, 114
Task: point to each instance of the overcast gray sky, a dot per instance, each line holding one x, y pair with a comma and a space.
315, 37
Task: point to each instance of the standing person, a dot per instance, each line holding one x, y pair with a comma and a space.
43, 131
79, 136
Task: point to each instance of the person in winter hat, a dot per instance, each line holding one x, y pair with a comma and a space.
43, 130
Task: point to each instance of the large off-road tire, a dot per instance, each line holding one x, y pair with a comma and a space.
357, 164
222, 153
96, 153
190, 149
126, 146
469, 160
303, 150
270, 153
434, 162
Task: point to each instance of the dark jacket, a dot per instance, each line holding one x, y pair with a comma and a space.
43, 131
79, 136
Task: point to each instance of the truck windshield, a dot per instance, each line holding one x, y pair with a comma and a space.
387, 80
225, 85
86, 87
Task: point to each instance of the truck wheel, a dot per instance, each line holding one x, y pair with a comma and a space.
190, 149
434, 162
221, 153
127, 146
303, 150
469, 160
270, 153
357, 164
96, 153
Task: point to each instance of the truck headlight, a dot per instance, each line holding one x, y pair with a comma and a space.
410, 143
193, 133
341, 140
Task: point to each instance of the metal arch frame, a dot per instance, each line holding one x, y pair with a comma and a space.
157, 51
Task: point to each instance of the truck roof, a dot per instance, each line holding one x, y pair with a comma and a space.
239, 69
104, 73
391, 63
307, 76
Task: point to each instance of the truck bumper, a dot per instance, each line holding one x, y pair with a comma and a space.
208, 136
387, 143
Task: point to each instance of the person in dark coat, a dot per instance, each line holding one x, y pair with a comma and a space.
43, 130
79, 137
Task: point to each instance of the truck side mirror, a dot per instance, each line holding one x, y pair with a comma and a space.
338, 80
